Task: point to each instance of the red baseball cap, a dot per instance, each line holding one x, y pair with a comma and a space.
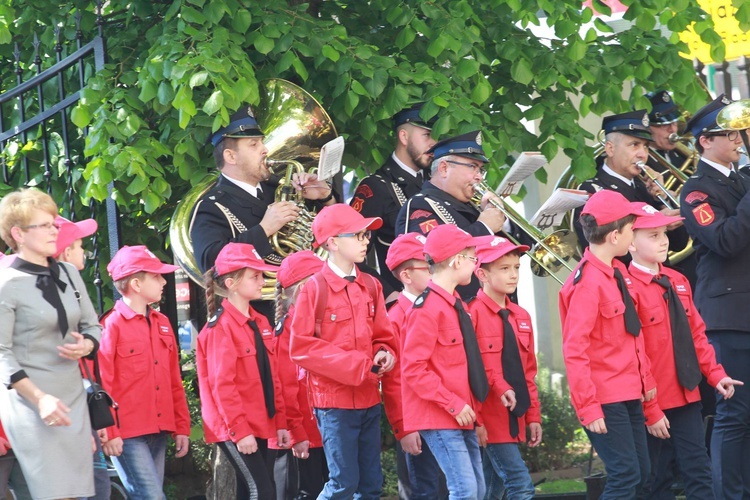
130, 260
492, 248
236, 256
608, 206
651, 218
71, 231
405, 247
340, 218
447, 240
298, 266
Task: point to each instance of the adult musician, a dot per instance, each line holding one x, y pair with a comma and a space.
716, 206
663, 122
401, 177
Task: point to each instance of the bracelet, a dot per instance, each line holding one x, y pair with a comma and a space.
327, 198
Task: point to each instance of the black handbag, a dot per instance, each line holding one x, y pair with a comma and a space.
99, 400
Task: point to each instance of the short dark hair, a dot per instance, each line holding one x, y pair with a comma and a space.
486, 265
225, 143
596, 234
698, 146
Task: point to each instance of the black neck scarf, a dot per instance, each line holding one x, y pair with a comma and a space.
632, 321
264, 367
480, 387
513, 372
48, 281
685, 358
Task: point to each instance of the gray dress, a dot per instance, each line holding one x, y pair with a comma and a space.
56, 461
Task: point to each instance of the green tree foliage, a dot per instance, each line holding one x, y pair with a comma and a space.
177, 69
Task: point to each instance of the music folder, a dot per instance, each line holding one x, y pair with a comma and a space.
525, 165
330, 158
552, 211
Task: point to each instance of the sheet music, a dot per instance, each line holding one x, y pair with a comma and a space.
552, 211
330, 158
525, 165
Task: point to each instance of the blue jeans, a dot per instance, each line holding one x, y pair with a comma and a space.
351, 441
508, 464
495, 486
623, 449
424, 474
457, 453
141, 466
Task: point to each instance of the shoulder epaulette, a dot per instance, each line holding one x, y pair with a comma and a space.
105, 315
215, 318
280, 326
422, 297
579, 273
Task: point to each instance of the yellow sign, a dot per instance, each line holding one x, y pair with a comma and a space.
726, 25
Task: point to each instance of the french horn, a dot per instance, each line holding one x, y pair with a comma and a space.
296, 126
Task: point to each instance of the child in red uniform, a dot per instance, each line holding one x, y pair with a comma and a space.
679, 352
241, 398
511, 368
608, 371
345, 351
406, 261
307, 445
443, 378
140, 367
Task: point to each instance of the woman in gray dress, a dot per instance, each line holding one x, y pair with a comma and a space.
46, 326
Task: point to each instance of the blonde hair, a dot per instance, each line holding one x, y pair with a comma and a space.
216, 287
17, 208
285, 297
123, 284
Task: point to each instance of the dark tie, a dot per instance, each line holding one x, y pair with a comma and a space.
632, 322
350, 279
513, 372
420, 178
477, 376
264, 367
736, 183
685, 358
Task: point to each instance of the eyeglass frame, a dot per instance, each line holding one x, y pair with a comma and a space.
472, 258
482, 170
367, 233
46, 225
731, 135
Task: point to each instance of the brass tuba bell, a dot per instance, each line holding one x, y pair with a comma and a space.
296, 126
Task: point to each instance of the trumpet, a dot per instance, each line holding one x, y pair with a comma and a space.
666, 197
550, 253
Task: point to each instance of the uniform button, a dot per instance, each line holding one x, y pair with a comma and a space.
247, 350
490, 346
231, 433
132, 351
156, 361
652, 318
452, 410
454, 341
157, 387
616, 310
158, 414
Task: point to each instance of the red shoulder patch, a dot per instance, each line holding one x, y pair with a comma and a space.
704, 214
357, 204
428, 225
364, 190
419, 214
695, 196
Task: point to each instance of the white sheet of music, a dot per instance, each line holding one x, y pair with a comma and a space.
330, 158
552, 212
525, 165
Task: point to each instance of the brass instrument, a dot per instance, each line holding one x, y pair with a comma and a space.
736, 116
550, 253
667, 199
296, 127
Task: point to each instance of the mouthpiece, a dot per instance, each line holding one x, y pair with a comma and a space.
674, 138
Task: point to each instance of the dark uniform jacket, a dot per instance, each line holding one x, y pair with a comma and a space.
717, 216
382, 195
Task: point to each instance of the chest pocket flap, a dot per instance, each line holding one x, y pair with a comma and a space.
612, 309
652, 315
245, 349
490, 344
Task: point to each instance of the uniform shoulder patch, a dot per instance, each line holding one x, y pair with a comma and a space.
428, 225
579, 273
364, 190
215, 318
420, 300
704, 214
419, 214
280, 326
695, 196
357, 204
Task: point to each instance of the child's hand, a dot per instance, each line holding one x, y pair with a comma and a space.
385, 360
535, 434
302, 449
103, 437
4, 446
412, 443
509, 399
482, 436
660, 429
726, 386
649, 395
466, 417
247, 445
182, 445
113, 447
597, 426
282, 438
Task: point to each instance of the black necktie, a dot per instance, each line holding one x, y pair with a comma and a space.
632, 322
685, 358
350, 279
513, 372
736, 183
477, 376
264, 367
420, 178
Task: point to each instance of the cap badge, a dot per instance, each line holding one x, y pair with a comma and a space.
665, 97
496, 241
479, 138
649, 209
420, 239
725, 100
645, 120
250, 112
255, 252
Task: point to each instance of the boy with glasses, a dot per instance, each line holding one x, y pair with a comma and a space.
341, 336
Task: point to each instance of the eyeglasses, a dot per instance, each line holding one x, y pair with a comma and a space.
473, 167
47, 226
473, 259
360, 235
732, 135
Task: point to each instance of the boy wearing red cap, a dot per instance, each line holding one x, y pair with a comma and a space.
676, 344
140, 368
345, 351
241, 398
443, 378
506, 341
608, 371
406, 261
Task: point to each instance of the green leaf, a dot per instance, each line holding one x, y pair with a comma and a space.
165, 94
198, 79
330, 53
576, 50
521, 71
151, 202
437, 46
358, 88
299, 67
549, 149
467, 68
481, 91
137, 185
214, 103
405, 37
263, 45
377, 83
241, 20
352, 99
191, 15
80, 116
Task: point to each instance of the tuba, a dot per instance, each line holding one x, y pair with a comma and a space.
296, 126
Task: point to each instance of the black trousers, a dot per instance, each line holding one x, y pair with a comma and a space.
254, 471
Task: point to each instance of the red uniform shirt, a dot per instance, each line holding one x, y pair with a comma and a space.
299, 418
140, 367
485, 313
232, 401
391, 383
354, 327
434, 373
605, 364
657, 334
